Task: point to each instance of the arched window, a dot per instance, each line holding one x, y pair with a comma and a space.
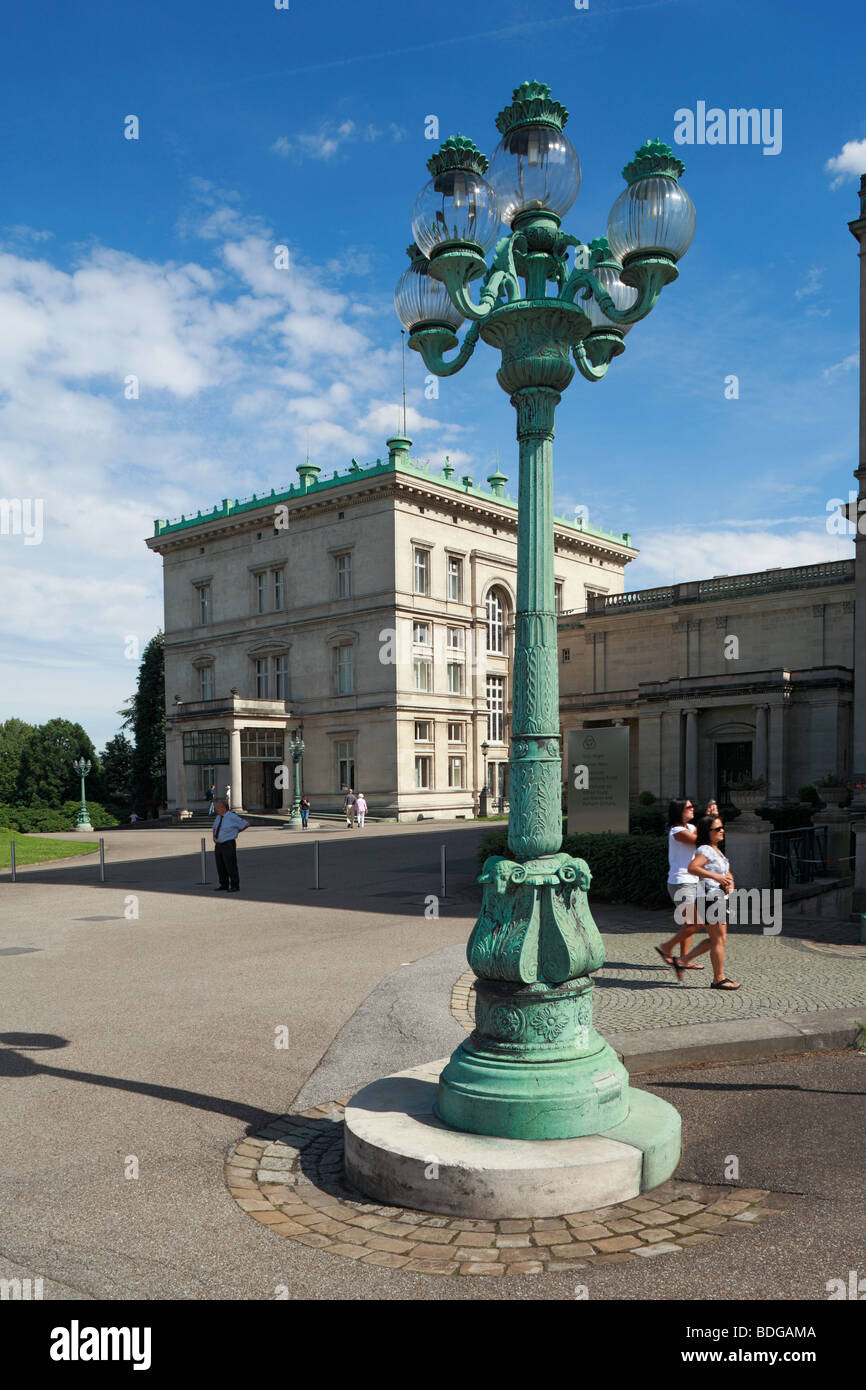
495, 622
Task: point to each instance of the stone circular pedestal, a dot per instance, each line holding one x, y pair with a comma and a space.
399, 1152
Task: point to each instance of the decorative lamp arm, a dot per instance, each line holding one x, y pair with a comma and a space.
456, 266
585, 367
432, 341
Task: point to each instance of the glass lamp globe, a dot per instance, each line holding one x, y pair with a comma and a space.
652, 214
622, 295
419, 299
456, 205
534, 169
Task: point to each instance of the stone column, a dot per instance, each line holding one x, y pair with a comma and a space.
649, 753
759, 768
747, 845
691, 787
858, 767
236, 772
776, 753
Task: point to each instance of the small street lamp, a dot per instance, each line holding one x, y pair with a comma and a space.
482, 800
297, 746
82, 820
535, 1068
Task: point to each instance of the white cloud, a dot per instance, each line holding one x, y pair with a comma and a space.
849, 164
812, 284
239, 364
846, 365
330, 138
676, 555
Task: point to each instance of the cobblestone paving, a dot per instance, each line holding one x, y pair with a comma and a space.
290, 1177
635, 990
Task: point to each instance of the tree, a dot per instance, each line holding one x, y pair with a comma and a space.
45, 771
13, 735
145, 716
117, 759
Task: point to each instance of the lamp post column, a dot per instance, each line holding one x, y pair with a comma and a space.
297, 755
534, 1067
82, 820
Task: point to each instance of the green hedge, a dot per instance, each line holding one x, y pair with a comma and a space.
625, 868
35, 818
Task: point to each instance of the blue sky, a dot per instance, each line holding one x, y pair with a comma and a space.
305, 127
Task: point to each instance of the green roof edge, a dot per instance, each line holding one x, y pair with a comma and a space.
273, 498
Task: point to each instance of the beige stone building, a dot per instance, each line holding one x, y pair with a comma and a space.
375, 608
743, 675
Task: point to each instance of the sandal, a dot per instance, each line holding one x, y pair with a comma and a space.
668, 960
692, 966
723, 983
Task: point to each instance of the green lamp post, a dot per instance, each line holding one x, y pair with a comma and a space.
297, 746
534, 1067
82, 767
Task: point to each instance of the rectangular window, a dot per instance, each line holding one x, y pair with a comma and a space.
345, 765
455, 772
346, 670
262, 679
262, 745
206, 747
280, 678
261, 591
456, 639
344, 576
496, 709
423, 773
557, 596
204, 605
423, 673
455, 677
421, 634
279, 590
455, 579
208, 779
205, 682
566, 654
456, 734
422, 731
422, 571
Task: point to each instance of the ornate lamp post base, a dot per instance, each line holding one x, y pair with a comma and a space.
534, 1068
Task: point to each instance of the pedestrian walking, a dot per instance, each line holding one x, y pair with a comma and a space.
682, 885
226, 829
712, 868
349, 808
360, 809
304, 809
211, 796
228, 796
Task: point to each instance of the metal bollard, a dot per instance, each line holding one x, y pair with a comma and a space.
203, 861
101, 860
12, 852
316, 864
442, 874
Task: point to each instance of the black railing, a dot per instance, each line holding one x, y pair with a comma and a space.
797, 856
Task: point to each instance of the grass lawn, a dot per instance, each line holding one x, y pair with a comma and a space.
31, 849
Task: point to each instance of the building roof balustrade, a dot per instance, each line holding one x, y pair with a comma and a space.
463, 487
722, 586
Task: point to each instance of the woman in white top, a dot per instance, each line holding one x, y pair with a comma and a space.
682, 885
360, 809
712, 868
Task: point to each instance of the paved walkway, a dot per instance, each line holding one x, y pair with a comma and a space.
143, 1019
